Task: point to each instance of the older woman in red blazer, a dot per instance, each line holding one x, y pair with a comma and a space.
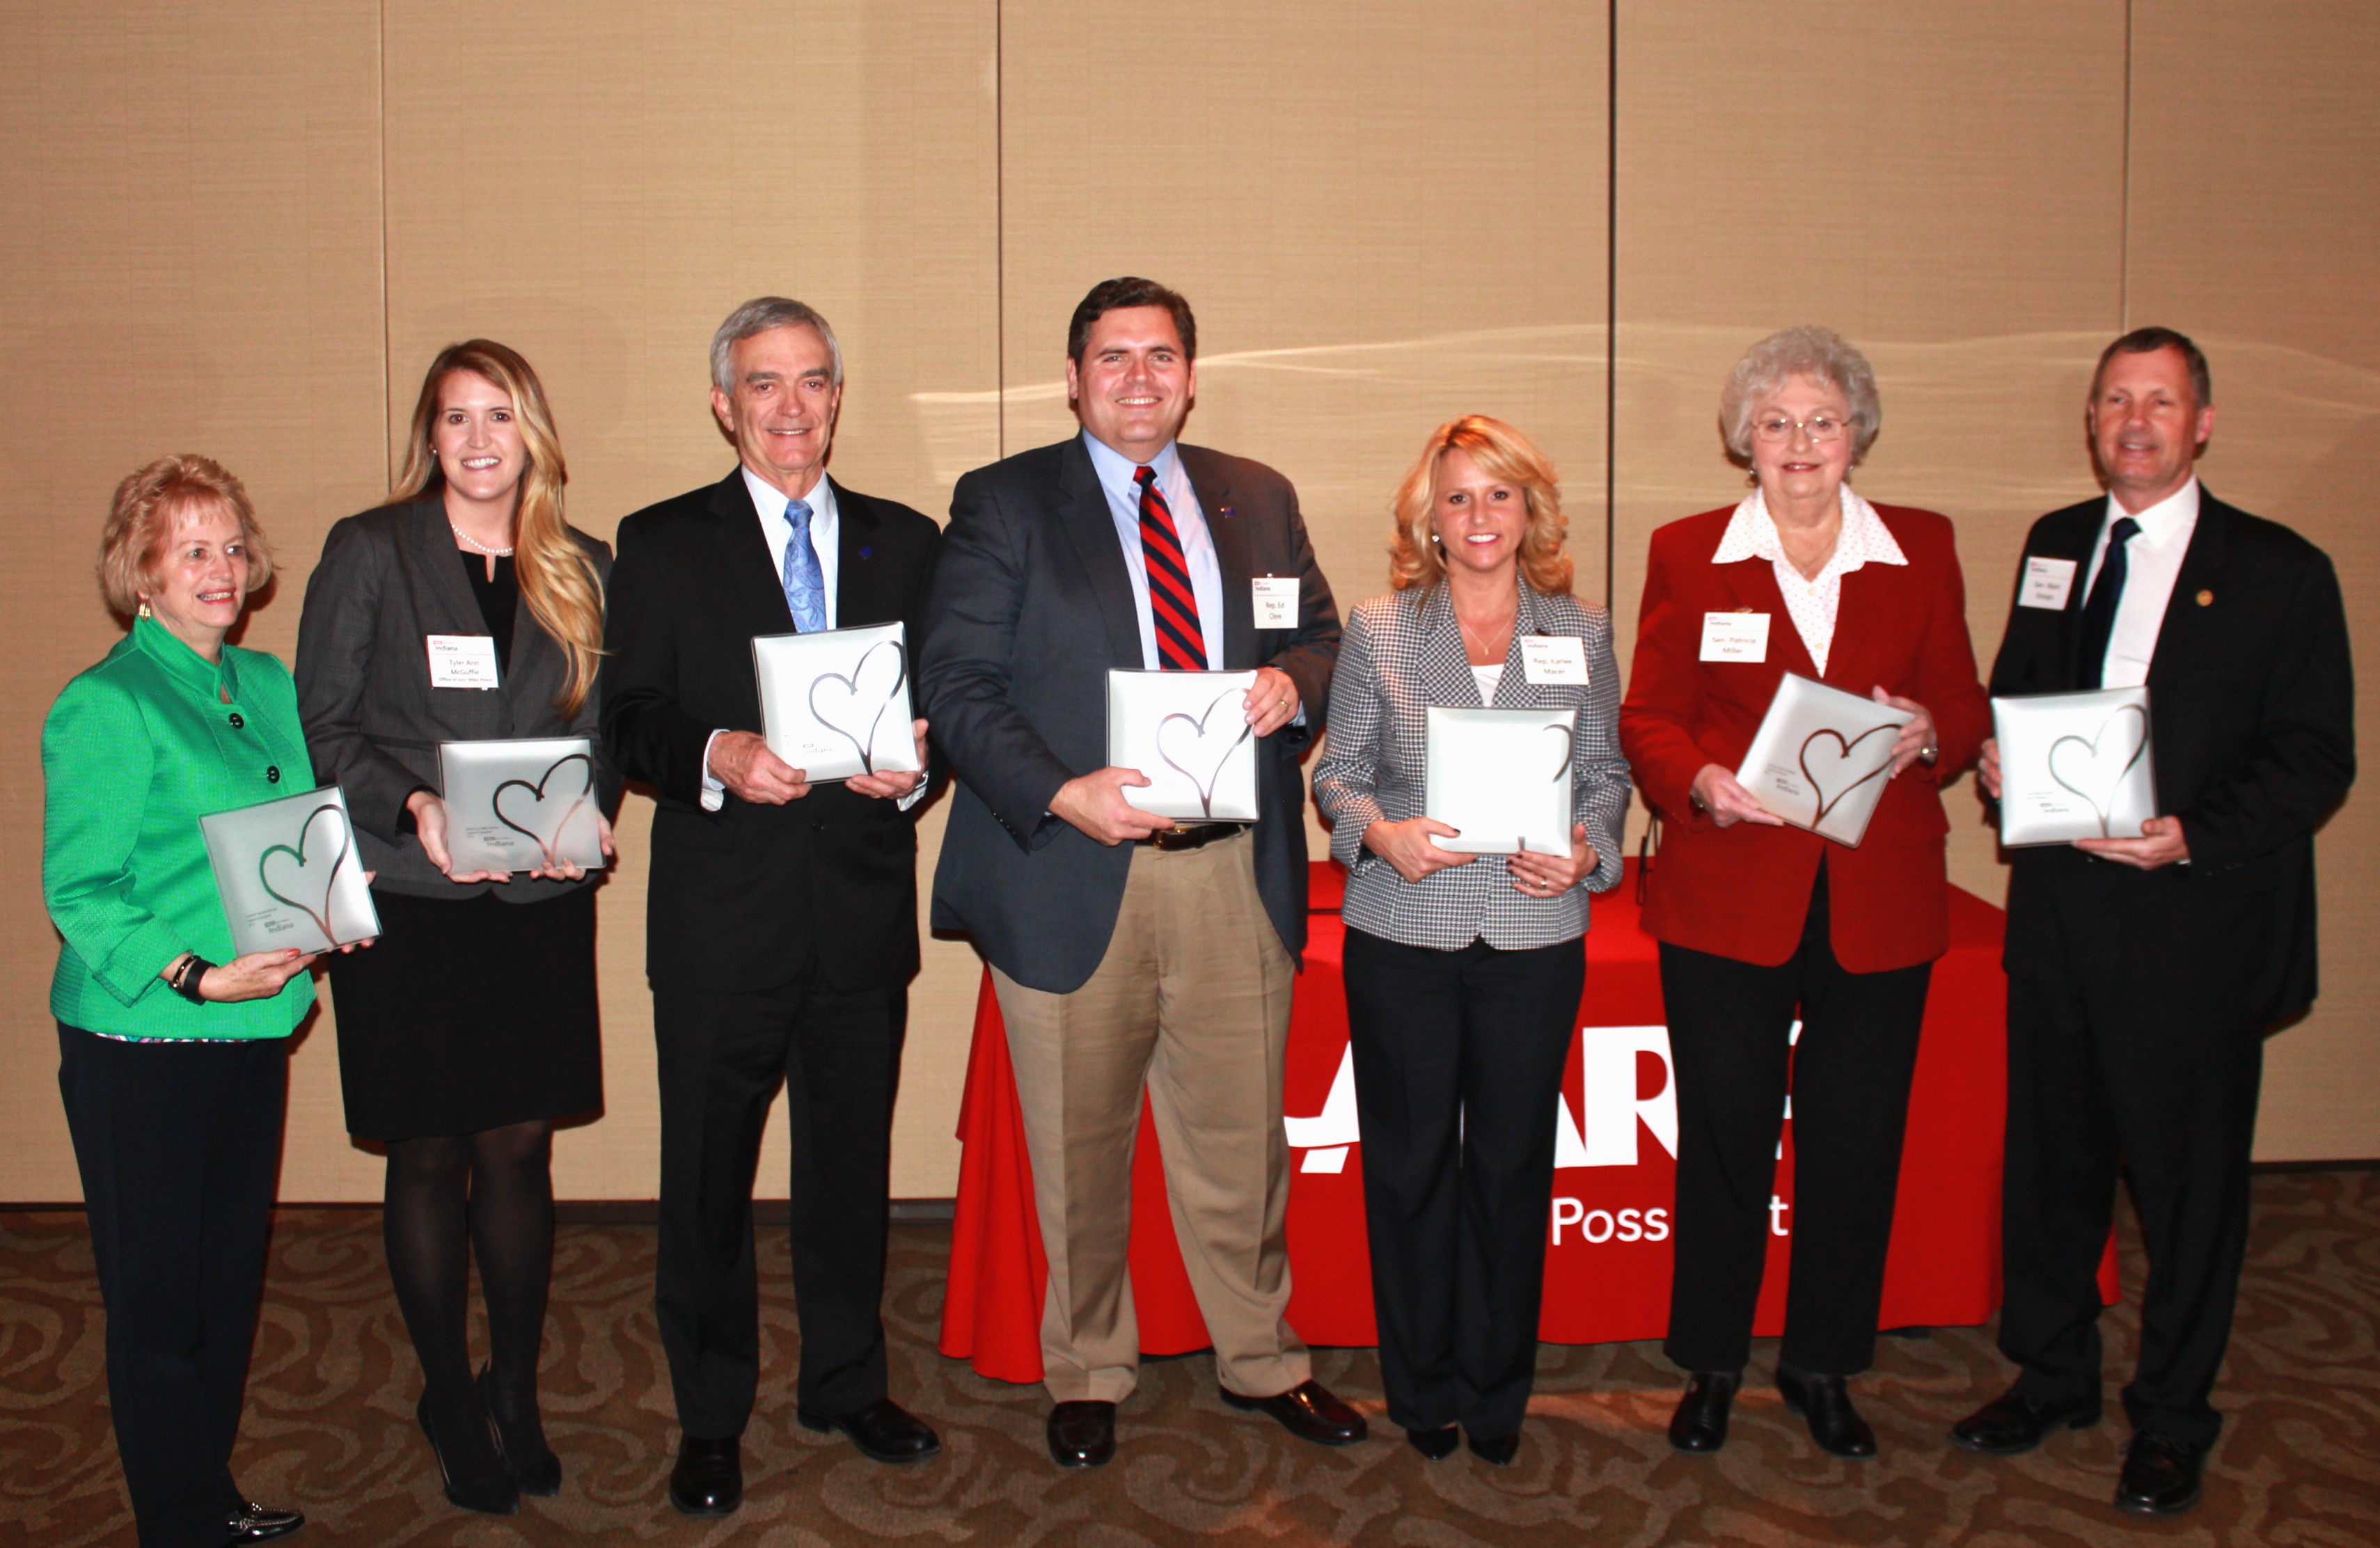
1761, 924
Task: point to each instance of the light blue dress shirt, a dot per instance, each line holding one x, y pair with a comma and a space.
1115, 473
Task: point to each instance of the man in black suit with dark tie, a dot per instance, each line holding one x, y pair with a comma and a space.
2144, 972
781, 916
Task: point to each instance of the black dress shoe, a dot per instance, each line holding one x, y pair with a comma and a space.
884, 1431
1309, 1411
260, 1523
1826, 1403
1437, 1444
1082, 1435
536, 1470
1497, 1449
1700, 1423
709, 1477
2160, 1477
2015, 1421
469, 1465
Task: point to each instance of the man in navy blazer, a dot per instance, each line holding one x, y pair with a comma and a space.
2144, 972
781, 916
1131, 953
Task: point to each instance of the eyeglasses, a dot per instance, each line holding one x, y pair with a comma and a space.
1820, 427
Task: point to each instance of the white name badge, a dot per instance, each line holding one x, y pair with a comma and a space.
1553, 658
1735, 637
1276, 601
463, 661
2047, 583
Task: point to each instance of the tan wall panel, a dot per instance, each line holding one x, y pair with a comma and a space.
2255, 134
190, 222
1941, 184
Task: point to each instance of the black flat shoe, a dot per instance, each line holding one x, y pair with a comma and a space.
2160, 1477
1309, 1411
536, 1470
470, 1443
2015, 1422
883, 1430
260, 1523
1498, 1450
1437, 1444
1082, 1433
1700, 1423
709, 1477
1826, 1403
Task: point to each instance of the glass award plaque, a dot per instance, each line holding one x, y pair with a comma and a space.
1188, 732
835, 704
1821, 757
521, 805
289, 875
2074, 765
1501, 777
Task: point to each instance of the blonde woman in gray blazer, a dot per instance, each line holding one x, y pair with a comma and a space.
1464, 973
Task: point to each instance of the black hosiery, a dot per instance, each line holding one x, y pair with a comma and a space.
512, 1231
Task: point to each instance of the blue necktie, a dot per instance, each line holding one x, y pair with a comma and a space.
805, 583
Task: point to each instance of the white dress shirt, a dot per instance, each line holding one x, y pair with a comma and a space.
1115, 473
1814, 601
2152, 564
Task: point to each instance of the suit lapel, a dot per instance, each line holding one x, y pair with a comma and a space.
1751, 584
1445, 664
859, 586
752, 570
1234, 555
2202, 566
448, 605
1082, 513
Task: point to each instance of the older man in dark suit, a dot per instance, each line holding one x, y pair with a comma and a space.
1128, 954
780, 918
2144, 972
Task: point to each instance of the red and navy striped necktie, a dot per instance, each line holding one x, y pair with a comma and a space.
1180, 645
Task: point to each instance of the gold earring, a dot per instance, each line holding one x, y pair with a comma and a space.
142, 610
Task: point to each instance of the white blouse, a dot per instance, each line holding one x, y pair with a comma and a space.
1811, 602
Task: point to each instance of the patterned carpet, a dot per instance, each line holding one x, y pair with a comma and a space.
330, 1426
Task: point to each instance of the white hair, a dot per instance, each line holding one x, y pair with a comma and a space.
757, 315
1807, 351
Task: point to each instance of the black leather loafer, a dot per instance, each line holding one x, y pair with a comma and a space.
1309, 1411
1437, 1444
260, 1523
1498, 1450
883, 1430
1700, 1423
1826, 1403
1082, 1433
2160, 1476
709, 1477
2015, 1422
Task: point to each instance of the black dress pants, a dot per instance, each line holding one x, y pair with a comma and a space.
2128, 1043
179, 1147
720, 1058
1729, 1026
1459, 1060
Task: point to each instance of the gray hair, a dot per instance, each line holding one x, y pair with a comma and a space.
757, 315
1790, 352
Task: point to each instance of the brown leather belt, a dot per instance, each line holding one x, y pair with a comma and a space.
1196, 835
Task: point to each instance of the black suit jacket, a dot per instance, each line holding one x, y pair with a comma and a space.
2252, 724
1032, 605
747, 897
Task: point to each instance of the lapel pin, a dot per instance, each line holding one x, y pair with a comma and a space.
866, 551
1223, 513
2206, 598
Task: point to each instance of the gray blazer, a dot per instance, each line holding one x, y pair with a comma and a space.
1403, 653
388, 578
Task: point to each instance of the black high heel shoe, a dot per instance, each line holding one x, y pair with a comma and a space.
489, 1493
536, 1470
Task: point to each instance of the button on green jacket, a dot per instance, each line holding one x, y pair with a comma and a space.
135, 751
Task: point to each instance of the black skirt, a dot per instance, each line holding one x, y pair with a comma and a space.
469, 1015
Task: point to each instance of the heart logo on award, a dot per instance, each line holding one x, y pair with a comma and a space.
1203, 742
1562, 763
298, 871
1838, 766
532, 806
860, 701
2094, 769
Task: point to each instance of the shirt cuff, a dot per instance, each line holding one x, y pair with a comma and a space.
714, 795
915, 795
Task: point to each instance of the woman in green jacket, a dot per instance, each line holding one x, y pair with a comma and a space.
173, 1053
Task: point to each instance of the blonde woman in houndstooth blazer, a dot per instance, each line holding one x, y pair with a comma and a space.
1464, 973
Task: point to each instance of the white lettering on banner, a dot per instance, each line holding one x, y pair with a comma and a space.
1777, 1208
1596, 1226
1325, 1136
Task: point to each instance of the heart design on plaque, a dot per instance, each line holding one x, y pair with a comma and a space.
531, 805
1561, 760
1202, 744
2092, 769
853, 707
1836, 769
301, 874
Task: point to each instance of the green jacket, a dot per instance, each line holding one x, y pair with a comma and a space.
135, 751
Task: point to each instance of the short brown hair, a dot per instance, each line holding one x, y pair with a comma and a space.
140, 520
1504, 454
2148, 341
1112, 295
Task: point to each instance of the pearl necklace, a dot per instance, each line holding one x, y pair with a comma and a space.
465, 539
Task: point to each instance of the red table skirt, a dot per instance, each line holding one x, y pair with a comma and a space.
1609, 1259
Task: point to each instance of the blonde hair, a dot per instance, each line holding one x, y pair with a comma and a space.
557, 579
140, 523
1503, 453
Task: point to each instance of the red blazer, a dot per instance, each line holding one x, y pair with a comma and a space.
1745, 891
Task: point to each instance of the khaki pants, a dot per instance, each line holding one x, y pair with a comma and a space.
1191, 1003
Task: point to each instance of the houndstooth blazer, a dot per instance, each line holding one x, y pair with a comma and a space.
1400, 655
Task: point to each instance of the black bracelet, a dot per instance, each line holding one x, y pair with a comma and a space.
185, 981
